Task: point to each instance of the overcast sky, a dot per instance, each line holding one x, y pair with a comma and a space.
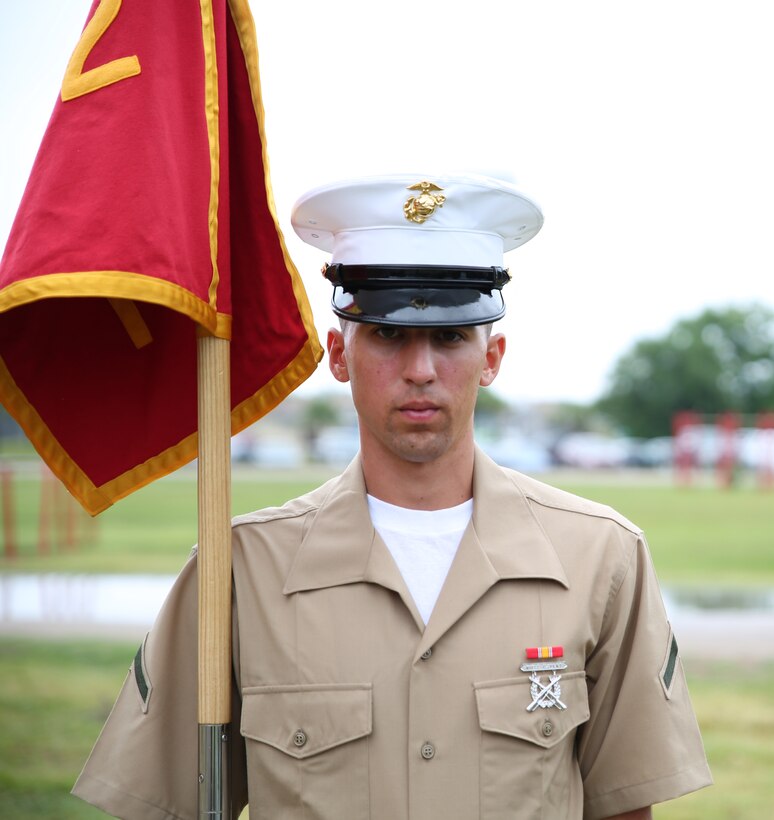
643, 129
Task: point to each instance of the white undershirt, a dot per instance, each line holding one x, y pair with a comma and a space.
423, 544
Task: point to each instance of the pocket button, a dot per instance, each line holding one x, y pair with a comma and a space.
547, 729
299, 738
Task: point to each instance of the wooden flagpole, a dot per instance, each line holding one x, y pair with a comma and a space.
214, 572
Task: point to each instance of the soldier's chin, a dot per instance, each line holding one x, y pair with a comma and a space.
421, 448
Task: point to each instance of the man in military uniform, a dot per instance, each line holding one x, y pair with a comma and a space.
427, 635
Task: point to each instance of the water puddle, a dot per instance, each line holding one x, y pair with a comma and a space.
722, 599
707, 621
82, 599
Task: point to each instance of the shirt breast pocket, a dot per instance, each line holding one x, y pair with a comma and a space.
307, 750
527, 761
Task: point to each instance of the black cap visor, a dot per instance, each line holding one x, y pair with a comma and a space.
436, 307
416, 296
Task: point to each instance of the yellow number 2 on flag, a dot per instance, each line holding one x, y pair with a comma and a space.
78, 82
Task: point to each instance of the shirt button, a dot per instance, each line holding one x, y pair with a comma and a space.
426, 654
299, 738
428, 751
547, 729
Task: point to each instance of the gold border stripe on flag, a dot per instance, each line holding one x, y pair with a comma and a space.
211, 114
245, 26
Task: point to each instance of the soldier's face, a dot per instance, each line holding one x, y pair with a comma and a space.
414, 389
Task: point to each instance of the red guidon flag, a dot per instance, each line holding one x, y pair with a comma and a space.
148, 213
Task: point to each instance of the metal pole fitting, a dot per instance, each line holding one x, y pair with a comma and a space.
214, 786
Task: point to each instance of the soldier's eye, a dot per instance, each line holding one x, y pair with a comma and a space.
448, 336
387, 332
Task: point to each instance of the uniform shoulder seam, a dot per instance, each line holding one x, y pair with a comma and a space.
272, 514
294, 508
602, 511
553, 498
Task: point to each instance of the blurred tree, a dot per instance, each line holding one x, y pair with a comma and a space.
319, 412
489, 406
721, 360
570, 417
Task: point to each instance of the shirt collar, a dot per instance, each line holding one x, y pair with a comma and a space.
342, 547
508, 529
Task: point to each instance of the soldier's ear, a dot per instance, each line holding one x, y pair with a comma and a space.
337, 357
495, 350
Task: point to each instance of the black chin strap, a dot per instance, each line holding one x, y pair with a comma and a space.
402, 276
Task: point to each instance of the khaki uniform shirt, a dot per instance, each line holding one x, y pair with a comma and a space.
347, 707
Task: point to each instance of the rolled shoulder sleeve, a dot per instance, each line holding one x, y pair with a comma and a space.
145, 762
641, 744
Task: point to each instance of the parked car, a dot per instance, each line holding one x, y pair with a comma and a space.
266, 450
592, 451
518, 452
652, 452
336, 445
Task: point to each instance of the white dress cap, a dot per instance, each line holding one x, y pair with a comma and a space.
411, 219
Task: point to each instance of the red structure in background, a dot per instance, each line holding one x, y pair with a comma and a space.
61, 522
716, 441
727, 426
11, 549
766, 468
685, 425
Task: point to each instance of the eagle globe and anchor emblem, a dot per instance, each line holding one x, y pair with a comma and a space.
421, 207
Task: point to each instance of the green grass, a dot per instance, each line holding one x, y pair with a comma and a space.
150, 531
735, 709
55, 696
698, 535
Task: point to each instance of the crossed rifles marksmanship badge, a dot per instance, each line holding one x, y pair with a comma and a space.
545, 695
